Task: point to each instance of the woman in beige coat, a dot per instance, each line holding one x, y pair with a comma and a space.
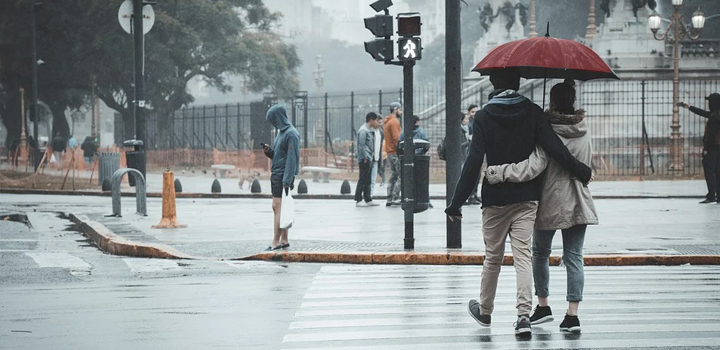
565, 205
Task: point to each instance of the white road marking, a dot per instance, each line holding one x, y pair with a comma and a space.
150, 265
76, 265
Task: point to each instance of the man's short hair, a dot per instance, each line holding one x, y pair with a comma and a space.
471, 107
415, 119
505, 79
371, 116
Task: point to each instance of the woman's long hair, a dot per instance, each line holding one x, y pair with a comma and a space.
562, 97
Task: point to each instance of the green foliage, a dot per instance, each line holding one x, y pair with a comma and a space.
81, 40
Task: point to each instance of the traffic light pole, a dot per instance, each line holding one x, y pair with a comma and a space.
453, 81
34, 90
139, 103
408, 184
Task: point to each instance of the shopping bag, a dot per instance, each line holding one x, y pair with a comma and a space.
287, 211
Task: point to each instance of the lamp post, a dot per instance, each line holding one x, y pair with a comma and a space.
676, 30
319, 75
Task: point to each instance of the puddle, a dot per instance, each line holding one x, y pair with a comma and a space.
19, 218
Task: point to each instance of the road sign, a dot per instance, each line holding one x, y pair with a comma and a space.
409, 49
125, 17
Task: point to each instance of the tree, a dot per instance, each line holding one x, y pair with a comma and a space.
81, 39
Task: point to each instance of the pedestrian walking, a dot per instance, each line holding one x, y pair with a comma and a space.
507, 129
565, 204
392, 137
285, 155
377, 155
474, 198
13, 152
711, 146
366, 158
89, 150
58, 146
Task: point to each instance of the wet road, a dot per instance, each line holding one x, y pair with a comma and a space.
59, 292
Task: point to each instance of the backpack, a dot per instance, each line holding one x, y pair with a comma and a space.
441, 149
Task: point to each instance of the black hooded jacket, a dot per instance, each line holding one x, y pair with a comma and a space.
506, 130
711, 138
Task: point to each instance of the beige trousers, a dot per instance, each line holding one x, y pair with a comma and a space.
516, 220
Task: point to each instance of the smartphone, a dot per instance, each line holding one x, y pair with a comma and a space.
681, 104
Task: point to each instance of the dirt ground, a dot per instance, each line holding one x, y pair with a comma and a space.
19, 179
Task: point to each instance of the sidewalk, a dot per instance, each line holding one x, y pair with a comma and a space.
641, 231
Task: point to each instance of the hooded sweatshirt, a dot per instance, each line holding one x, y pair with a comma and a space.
286, 150
711, 138
392, 134
506, 130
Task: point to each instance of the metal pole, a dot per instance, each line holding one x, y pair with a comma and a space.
677, 164
139, 103
352, 129
326, 127
23, 133
34, 90
408, 184
453, 80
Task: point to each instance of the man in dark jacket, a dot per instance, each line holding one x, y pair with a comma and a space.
285, 156
366, 157
89, 149
506, 130
58, 145
711, 146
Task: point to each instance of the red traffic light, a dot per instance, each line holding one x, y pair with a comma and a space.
408, 24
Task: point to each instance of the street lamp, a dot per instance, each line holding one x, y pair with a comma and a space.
319, 75
676, 30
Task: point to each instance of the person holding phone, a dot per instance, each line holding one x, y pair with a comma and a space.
711, 146
285, 157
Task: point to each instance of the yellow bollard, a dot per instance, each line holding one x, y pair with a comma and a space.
169, 219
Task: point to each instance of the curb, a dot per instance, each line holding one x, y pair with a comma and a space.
412, 258
116, 245
267, 196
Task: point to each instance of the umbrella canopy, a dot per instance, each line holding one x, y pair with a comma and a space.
546, 57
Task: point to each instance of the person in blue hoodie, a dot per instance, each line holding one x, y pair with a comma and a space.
285, 155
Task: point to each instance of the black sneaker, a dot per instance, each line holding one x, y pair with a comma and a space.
570, 324
541, 314
706, 201
474, 310
522, 326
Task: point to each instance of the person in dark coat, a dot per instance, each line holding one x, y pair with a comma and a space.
58, 145
89, 149
711, 146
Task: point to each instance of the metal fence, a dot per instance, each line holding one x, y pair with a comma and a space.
629, 121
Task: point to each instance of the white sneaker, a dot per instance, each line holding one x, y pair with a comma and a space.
372, 204
361, 204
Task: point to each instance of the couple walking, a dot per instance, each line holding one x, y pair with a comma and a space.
521, 142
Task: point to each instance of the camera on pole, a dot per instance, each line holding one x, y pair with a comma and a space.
382, 48
409, 44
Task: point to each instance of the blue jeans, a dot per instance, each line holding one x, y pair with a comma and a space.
573, 240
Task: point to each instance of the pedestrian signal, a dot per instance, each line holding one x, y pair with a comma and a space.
409, 24
410, 49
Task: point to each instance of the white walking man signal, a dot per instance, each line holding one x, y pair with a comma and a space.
410, 49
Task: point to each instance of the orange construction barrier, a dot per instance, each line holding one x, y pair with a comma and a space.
169, 218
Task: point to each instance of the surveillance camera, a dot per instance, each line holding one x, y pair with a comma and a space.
381, 5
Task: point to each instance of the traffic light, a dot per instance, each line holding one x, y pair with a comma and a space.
381, 26
409, 44
410, 49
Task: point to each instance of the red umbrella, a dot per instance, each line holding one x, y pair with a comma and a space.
546, 57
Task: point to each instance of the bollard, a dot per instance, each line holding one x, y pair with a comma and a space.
302, 187
255, 188
345, 188
169, 218
178, 185
216, 187
106, 185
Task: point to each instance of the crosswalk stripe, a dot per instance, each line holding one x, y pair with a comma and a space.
398, 307
76, 265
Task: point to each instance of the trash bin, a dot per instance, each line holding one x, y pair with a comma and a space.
108, 164
135, 157
421, 175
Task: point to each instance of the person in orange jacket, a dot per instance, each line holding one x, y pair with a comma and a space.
392, 132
